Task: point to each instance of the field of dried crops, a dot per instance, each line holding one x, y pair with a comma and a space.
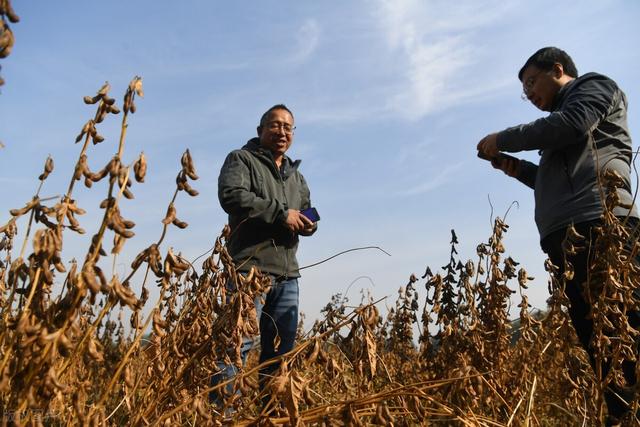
65, 361
83, 345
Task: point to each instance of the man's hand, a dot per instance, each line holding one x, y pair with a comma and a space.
489, 145
309, 230
508, 165
297, 222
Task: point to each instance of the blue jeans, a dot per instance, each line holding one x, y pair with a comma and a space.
278, 317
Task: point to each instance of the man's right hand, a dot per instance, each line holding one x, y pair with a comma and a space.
297, 222
508, 165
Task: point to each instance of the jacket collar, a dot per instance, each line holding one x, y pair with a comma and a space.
562, 93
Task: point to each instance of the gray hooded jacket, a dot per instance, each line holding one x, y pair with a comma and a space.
257, 195
585, 134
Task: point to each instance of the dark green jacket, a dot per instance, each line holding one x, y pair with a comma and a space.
256, 195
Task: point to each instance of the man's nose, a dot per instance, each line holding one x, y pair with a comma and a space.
530, 95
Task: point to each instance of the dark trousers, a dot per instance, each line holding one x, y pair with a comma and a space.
579, 309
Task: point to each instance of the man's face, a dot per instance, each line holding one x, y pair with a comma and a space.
276, 134
541, 87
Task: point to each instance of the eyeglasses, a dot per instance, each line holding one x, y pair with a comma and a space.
276, 126
528, 84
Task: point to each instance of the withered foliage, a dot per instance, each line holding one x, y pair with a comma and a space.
82, 345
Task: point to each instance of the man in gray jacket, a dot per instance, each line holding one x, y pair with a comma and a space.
263, 192
584, 134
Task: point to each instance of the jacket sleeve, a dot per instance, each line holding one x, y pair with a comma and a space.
236, 195
305, 197
586, 105
305, 194
528, 172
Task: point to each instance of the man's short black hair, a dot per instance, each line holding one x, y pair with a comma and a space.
546, 57
267, 113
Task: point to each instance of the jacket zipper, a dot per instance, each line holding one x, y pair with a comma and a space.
285, 273
286, 250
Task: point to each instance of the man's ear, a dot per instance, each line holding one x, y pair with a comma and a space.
558, 70
259, 129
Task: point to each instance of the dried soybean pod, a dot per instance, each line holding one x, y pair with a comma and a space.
47, 276
59, 265
139, 259
137, 86
118, 243
171, 215
106, 202
6, 44
93, 351
64, 345
114, 166
184, 160
314, 352
179, 224
102, 114
97, 138
159, 324
190, 190
128, 223
90, 279
48, 168
24, 210
128, 194
81, 167
75, 209
11, 14
72, 219
95, 177
187, 165
119, 228
128, 377
104, 89
104, 286
91, 100
86, 128
140, 168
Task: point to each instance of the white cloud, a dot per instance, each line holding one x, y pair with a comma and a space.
307, 40
408, 19
431, 76
437, 51
344, 112
417, 152
432, 183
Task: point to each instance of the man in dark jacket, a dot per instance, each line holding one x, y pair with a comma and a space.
585, 134
263, 192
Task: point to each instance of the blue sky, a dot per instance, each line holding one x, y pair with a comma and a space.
390, 100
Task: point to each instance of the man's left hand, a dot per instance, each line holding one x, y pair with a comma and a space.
309, 229
489, 145
296, 222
